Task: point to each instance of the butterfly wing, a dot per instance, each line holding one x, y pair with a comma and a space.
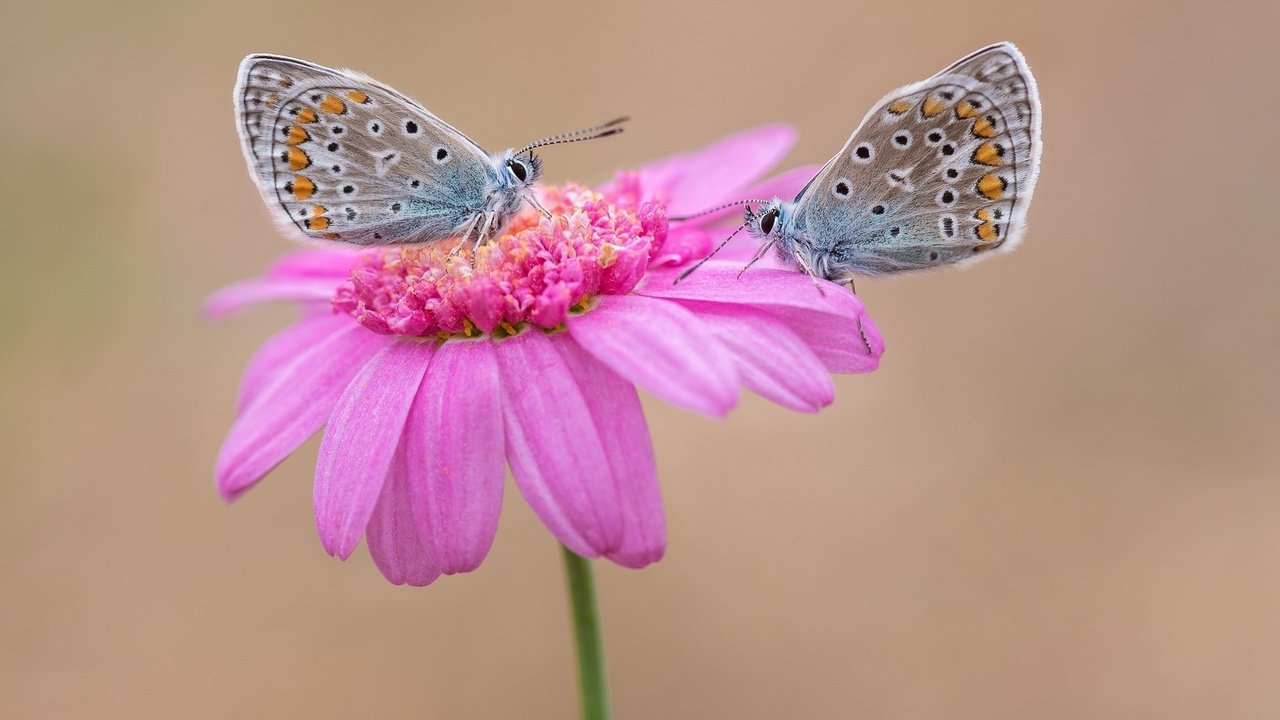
938, 172
338, 156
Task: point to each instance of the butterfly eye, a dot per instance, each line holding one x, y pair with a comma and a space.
517, 168
767, 221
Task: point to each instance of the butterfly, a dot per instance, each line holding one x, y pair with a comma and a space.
338, 156
939, 173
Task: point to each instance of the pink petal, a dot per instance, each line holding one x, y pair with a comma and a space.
554, 449
393, 536
360, 440
237, 297
771, 359
281, 349
684, 243
832, 322
619, 419
291, 407
661, 347
333, 263
697, 181
455, 450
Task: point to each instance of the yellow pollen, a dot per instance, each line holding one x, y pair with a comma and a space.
468, 329
608, 255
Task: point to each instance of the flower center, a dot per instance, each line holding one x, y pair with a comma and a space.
537, 272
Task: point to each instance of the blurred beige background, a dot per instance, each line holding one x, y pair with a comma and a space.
1057, 499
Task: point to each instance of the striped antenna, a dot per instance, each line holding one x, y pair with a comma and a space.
591, 133
698, 264
682, 218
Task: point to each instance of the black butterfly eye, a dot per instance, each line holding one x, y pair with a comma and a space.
767, 220
517, 168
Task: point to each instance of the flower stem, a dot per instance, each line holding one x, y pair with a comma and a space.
593, 683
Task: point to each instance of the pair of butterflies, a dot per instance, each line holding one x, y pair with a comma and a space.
940, 172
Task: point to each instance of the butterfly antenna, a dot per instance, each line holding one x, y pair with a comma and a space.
592, 133
698, 264
682, 218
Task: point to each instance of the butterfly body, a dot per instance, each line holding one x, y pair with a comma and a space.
939, 173
338, 156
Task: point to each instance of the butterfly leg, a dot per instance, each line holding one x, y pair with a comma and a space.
804, 265
865, 341
534, 202
757, 257
489, 228
852, 289
462, 236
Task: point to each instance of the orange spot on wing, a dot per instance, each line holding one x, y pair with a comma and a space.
307, 115
302, 188
991, 186
899, 107
271, 101
298, 160
987, 231
297, 135
285, 81
965, 110
357, 97
318, 210
318, 223
988, 153
333, 105
983, 128
931, 107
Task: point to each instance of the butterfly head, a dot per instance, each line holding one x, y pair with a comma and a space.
520, 171
766, 223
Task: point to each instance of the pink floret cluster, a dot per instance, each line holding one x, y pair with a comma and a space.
536, 272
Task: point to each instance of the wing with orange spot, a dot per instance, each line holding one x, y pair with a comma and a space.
339, 156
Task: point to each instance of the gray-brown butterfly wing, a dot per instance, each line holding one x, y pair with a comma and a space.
339, 156
938, 172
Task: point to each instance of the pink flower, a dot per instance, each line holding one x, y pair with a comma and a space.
429, 372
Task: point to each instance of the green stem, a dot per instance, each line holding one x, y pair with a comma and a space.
593, 683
